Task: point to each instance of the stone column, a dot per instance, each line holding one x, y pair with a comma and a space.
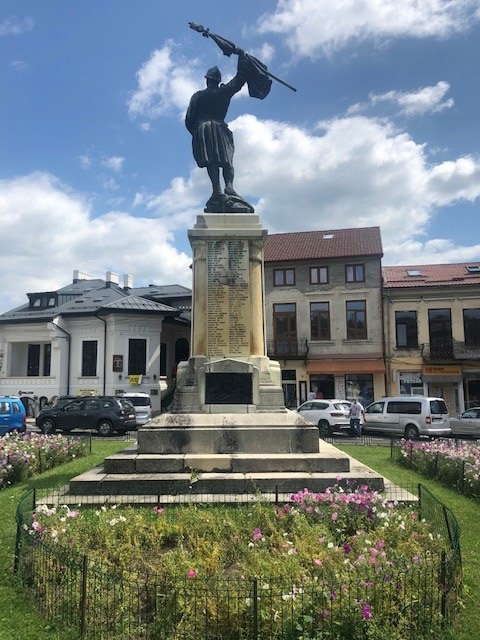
257, 309
199, 301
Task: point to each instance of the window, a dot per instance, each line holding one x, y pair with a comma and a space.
440, 327
283, 277
89, 358
47, 358
137, 356
356, 320
359, 385
33, 361
285, 329
354, 273
410, 407
471, 325
320, 321
318, 275
406, 329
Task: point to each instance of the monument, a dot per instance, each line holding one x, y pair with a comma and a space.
228, 430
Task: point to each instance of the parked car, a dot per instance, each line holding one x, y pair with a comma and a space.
60, 401
329, 415
106, 414
142, 405
12, 415
408, 416
467, 424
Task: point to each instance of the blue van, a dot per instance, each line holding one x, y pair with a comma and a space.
12, 415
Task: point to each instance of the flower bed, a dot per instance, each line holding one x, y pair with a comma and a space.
339, 564
22, 456
455, 464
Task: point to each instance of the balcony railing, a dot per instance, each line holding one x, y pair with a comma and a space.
287, 350
455, 351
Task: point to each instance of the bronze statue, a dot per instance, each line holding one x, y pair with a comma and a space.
212, 140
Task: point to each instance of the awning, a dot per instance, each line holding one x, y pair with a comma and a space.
346, 366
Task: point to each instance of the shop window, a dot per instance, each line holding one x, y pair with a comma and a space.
360, 385
356, 320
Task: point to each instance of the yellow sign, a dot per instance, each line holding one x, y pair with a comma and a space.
442, 370
135, 380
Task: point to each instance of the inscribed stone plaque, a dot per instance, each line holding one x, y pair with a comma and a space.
228, 388
228, 308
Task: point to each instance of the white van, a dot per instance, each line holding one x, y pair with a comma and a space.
142, 404
408, 416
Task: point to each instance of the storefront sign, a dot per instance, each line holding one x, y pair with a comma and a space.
442, 370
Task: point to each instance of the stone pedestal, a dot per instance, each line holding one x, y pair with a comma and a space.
229, 371
229, 431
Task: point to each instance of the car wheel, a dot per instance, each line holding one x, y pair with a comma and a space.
105, 428
411, 432
48, 426
324, 428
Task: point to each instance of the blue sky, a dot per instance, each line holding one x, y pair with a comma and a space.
96, 171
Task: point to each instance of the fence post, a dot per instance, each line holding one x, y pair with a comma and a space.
443, 585
255, 609
83, 597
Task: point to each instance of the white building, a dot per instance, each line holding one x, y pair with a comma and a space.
95, 336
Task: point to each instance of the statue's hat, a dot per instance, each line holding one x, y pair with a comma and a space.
214, 74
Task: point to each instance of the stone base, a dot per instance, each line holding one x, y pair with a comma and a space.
248, 384
172, 478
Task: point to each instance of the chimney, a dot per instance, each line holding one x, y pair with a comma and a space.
127, 282
112, 278
80, 275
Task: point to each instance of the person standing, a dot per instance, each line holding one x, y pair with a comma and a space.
356, 413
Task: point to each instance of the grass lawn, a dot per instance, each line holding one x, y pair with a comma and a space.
19, 621
467, 512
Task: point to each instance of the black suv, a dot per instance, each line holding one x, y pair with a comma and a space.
106, 414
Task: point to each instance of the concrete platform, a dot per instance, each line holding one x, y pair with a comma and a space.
130, 473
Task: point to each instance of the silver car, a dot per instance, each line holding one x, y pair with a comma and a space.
329, 415
467, 424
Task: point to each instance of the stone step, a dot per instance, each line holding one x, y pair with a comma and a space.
98, 482
131, 462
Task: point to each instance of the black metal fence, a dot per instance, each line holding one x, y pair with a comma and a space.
103, 602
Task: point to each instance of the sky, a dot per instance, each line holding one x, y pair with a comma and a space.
96, 167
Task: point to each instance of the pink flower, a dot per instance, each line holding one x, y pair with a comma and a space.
317, 562
366, 611
257, 534
334, 515
191, 574
158, 511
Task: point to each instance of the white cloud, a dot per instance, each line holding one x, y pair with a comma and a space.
14, 26
115, 163
163, 85
315, 26
19, 65
353, 171
59, 235
424, 100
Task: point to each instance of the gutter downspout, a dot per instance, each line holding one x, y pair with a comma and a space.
104, 353
69, 337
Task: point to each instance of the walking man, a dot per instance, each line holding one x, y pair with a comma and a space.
355, 414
